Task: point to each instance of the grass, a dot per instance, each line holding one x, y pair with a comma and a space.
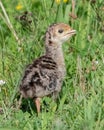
81, 101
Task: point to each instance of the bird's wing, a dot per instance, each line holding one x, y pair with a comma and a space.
41, 76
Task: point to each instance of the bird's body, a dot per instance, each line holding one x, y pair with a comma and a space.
45, 75
41, 78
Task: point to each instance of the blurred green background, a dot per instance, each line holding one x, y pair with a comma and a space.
81, 103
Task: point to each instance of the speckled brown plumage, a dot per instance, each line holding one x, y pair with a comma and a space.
40, 78
45, 75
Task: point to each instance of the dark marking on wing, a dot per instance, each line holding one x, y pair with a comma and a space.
52, 83
35, 79
40, 75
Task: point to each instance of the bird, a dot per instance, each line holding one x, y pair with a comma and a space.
45, 75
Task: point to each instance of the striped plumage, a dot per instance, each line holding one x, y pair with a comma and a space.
40, 78
45, 75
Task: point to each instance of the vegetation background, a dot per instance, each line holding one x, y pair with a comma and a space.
81, 102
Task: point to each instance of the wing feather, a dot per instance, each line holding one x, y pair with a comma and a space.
40, 77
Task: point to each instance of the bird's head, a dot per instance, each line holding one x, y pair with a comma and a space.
59, 33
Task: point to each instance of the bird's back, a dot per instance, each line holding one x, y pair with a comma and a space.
40, 78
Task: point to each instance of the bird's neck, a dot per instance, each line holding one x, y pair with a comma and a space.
56, 52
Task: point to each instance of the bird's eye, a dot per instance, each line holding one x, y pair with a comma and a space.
60, 31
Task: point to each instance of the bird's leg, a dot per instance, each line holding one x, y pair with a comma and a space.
37, 103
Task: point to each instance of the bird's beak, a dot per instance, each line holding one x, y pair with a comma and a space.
72, 32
